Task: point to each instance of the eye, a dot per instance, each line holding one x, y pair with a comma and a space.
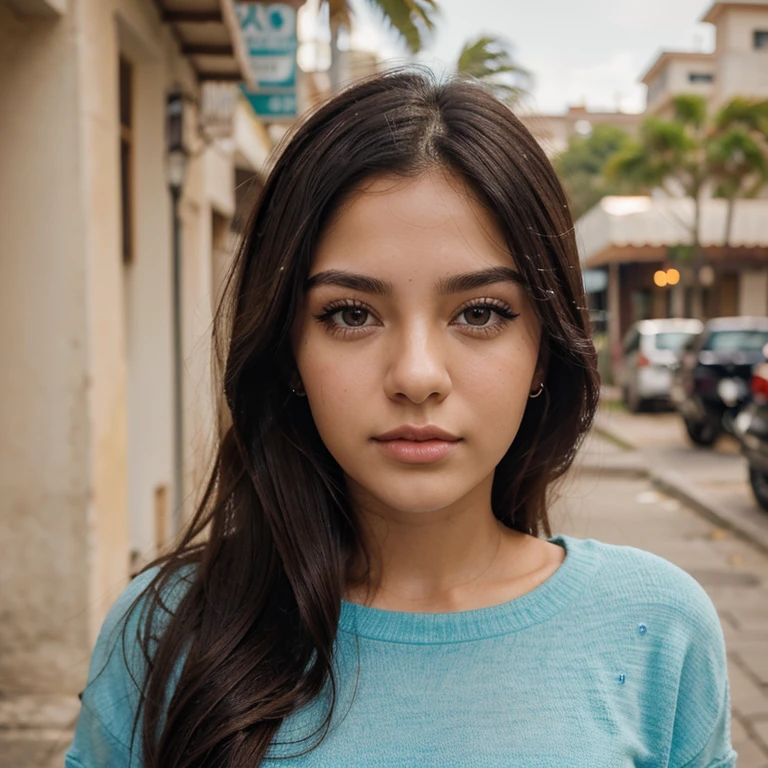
477, 315
346, 315
355, 317
485, 313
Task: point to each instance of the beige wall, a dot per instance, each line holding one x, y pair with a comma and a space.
742, 70
673, 79
753, 292
86, 382
45, 384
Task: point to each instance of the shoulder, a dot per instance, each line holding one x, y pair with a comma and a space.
630, 578
654, 613
112, 695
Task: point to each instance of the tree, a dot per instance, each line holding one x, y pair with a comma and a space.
581, 167
411, 20
489, 59
738, 153
694, 154
672, 154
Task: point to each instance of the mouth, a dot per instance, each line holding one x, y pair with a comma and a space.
417, 434
417, 445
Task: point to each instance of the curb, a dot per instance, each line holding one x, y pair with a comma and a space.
676, 486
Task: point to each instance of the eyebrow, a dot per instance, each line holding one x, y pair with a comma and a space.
445, 286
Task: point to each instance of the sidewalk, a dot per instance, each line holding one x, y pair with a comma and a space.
711, 481
625, 511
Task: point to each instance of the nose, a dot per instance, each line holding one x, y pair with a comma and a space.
417, 366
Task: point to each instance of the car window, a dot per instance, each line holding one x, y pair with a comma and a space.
738, 340
674, 341
632, 341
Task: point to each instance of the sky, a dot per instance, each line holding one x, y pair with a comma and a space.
581, 52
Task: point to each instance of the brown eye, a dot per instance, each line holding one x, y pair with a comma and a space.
354, 317
477, 315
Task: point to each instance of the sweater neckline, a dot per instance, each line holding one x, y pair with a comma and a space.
549, 598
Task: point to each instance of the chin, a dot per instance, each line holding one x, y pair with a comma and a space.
418, 496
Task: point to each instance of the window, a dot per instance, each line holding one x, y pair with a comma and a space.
700, 77
672, 340
761, 39
126, 158
741, 341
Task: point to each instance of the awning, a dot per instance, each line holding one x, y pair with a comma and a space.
208, 32
625, 229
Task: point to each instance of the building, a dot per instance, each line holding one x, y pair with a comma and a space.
554, 132
632, 238
87, 313
737, 67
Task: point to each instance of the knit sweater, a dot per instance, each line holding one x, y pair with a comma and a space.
618, 659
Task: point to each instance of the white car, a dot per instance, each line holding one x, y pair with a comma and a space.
650, 352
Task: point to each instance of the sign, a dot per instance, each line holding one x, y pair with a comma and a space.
269, 34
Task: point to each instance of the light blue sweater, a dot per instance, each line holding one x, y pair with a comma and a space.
618, 659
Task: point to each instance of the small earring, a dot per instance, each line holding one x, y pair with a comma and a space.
541, 389
299, 390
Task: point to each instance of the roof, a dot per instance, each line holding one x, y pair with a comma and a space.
665, 57
670, 325
618, 226
716, 9
741, 323
209, 34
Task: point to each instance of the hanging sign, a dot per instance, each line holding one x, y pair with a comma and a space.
269, 34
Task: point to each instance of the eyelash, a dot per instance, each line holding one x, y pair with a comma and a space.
500, 308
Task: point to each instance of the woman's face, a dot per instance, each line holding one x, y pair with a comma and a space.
416, 344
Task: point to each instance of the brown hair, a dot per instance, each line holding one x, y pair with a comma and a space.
273, 535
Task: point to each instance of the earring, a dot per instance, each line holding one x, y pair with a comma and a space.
541, 389
299, 390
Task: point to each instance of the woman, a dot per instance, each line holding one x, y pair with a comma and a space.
408, 370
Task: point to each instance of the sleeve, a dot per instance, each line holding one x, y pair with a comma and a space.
105, 727
702, 726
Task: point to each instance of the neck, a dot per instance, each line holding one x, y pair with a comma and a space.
431, 560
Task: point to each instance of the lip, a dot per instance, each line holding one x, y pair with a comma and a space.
417, 434
417, 445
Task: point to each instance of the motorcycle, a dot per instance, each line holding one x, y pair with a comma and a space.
750, 427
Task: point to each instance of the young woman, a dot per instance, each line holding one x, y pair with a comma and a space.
408, 369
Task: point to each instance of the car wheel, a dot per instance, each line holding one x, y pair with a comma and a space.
635, 403
702, 433
759, 482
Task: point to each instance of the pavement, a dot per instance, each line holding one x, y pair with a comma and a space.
625, 509
713, 481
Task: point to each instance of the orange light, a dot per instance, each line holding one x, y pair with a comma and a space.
660, 278
673, 277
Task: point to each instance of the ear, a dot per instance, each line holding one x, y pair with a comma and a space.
287, 371
542, 364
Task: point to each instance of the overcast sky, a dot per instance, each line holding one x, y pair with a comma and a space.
580, 51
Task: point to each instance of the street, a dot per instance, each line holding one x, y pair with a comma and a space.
615, 497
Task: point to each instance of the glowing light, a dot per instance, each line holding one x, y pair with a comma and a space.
660, 278
673, 277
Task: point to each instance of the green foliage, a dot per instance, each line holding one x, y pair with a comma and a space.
726, 153
581, 167
412, 20
490, 60
667, 151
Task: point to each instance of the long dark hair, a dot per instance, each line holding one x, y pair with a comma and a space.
273, 535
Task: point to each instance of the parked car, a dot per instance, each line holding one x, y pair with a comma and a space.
712, 382
751, 430
650, 351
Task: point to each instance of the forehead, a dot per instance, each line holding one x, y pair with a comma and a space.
432, 222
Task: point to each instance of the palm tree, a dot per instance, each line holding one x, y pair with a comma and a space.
411, 20
738, 153
672, 154
489, 59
